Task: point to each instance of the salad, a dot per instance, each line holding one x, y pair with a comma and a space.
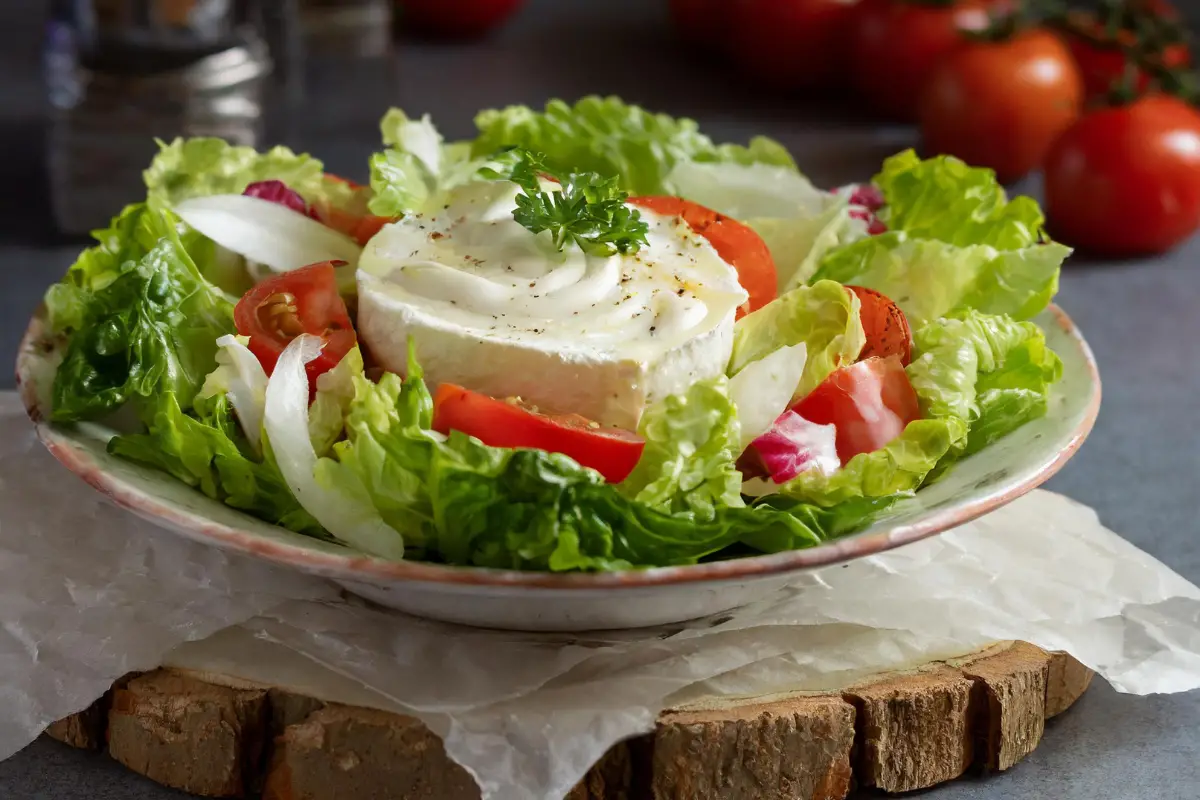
590, 338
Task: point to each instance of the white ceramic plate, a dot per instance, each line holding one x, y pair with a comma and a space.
577, 602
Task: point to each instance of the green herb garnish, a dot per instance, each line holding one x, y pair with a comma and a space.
589, 209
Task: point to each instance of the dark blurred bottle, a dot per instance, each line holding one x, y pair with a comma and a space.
121, 73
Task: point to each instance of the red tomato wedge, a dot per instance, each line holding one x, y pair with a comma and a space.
870, 403
736, 243
509, 423
281, 308
888, 333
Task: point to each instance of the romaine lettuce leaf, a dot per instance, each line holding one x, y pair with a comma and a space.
609, 137
929, 279
692, 442
142, 327
944, 199
206, 166
989, 370
207, 450
417, 166
824, 316
954, 242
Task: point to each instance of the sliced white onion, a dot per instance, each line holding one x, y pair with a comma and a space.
344, 509
241, 376
266, 232
763, 389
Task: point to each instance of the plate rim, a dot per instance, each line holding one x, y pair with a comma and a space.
354, 566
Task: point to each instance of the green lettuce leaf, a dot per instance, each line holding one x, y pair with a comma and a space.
143, 327
929, 279
991, 371
418, 166
824, 316
207, 166
955, 242
898, 468
609, 137
459, 501
208, 451
942, 198
692, 442
331, 404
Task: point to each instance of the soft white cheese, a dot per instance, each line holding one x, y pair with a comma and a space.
496, 309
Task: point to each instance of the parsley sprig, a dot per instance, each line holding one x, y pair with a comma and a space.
590, 210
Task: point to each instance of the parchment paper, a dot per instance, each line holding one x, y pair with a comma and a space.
88, 593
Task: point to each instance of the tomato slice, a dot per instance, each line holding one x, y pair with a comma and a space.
736, 243
870, 403
888, 333
510, 423
305, 300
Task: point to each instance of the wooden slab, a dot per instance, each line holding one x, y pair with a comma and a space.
220, 736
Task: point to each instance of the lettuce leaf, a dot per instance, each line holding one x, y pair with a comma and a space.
944, 199
991, 371
206, 166
461, 502
418, 166
208, 451
141, 327
929, 279
609, 137
824, 316
955, 242
978, 377
692, 442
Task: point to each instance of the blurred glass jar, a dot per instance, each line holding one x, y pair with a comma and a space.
121, 73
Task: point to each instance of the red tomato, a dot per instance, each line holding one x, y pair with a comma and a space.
509, 423
792, 44
870, 403
700, 21
456, 18
1125, 181
895, 44
305, 300
733, 241
888, 333
1001, 104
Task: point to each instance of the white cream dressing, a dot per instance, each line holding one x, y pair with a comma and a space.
474, 267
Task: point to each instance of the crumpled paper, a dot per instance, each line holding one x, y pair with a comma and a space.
89, 593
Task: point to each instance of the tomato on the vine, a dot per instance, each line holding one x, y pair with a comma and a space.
305, 300
612, 452
1125, 181
895, 45
792, 44
1002, 103
1101, 46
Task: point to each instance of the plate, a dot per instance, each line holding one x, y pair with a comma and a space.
539, 601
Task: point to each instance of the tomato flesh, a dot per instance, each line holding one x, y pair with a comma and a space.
870, 403
305, 300
1125, 181
886, 327
509, 423
734, 242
